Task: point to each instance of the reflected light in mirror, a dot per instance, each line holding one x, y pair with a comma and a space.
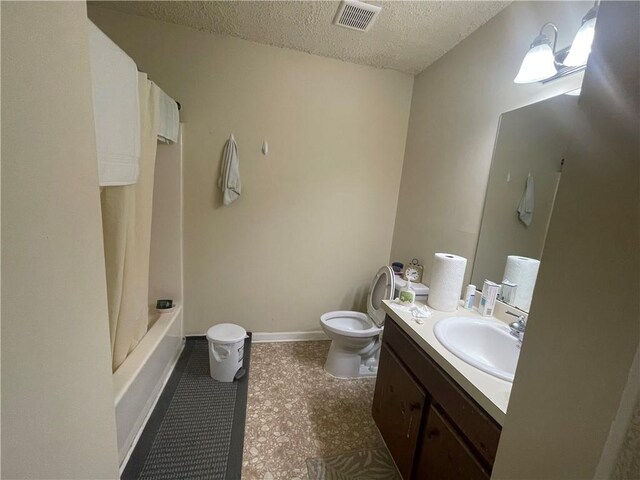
581, 46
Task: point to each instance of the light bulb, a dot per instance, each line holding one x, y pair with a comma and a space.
538, 64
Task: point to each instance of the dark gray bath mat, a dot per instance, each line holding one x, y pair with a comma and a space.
196, 430
372, 464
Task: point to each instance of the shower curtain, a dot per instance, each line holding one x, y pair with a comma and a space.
126, 222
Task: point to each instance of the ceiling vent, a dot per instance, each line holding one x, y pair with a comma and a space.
356, 15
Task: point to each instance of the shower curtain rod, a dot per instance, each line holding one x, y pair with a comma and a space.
177, 102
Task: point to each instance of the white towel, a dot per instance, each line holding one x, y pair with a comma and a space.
525, 207
168, 118
115, 110
229, 181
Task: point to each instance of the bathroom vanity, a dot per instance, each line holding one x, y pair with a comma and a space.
440, 417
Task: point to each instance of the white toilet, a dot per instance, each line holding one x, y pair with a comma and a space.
355, 336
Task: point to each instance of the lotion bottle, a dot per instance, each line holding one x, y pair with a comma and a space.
469, 297
407, 294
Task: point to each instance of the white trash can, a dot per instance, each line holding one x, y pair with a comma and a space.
226, 350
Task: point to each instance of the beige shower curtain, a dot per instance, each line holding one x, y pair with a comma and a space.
126, 222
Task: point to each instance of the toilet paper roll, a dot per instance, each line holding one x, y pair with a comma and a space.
522, 271
447, 276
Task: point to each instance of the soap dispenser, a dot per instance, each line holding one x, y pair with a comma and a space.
407, 294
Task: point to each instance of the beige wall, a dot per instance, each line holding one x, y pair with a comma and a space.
582, 332
57, 399
316, 215
455, 109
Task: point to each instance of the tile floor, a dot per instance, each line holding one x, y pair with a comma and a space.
296, 411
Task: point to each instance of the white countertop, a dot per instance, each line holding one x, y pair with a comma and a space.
490, 392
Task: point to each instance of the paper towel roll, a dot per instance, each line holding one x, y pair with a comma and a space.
522, 271
447, 276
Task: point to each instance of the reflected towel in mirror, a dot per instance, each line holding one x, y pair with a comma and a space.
525, 207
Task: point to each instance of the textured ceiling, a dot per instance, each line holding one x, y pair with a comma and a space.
407, 36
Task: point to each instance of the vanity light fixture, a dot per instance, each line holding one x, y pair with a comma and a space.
542, 63
539, 62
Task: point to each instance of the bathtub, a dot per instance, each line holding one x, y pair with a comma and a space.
140, 379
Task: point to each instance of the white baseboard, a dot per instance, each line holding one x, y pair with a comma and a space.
265, 337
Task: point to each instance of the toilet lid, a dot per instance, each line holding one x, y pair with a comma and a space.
382, 288
226, 333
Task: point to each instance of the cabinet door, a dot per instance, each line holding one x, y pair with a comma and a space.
398, 404
444, 454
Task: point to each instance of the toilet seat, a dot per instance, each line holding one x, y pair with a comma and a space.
382, 288
357, 324
349, 324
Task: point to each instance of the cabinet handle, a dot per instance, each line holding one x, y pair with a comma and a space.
412, 408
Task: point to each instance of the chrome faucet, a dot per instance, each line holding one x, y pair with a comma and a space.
517, 328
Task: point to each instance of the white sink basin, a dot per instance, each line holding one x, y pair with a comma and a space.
484, 344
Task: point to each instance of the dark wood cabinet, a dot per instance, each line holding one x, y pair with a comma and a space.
444, 454
398, 406
431, 426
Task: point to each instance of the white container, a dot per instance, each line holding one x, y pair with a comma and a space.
226, 350
488, 298
422, 291
469, 296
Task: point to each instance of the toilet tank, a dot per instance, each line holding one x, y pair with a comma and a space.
422, 291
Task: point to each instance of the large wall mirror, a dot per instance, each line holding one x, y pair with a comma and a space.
525, 173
